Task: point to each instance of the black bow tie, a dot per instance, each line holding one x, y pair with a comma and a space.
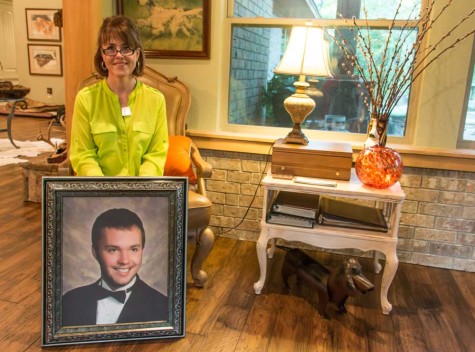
104, 293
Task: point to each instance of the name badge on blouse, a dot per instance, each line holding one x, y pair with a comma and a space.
126, 111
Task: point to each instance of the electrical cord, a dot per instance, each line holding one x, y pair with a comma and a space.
254, 196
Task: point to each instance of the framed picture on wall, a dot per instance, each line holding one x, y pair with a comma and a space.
40, 25
114, 259
45, 59
171, 29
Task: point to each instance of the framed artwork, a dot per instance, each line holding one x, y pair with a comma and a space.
45, 59
171, 28
40, 25
114, 259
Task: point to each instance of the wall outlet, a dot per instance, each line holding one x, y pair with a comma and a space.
49, 93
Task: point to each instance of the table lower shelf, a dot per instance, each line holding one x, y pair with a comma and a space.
332, 238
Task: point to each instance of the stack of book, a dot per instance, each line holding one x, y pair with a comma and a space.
303, 210
294, 209
334, 212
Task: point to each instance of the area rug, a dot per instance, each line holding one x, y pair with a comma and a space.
11, 155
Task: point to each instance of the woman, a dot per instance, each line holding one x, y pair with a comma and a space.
119, 125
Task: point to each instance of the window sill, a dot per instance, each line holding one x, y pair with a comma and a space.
429, 158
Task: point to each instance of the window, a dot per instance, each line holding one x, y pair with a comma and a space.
467, 127
7, 42
259, 34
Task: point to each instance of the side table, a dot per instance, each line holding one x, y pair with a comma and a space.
335, 237
10, 117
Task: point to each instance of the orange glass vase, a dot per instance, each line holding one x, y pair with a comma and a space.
378, 167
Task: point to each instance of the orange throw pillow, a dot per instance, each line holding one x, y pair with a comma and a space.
178, 161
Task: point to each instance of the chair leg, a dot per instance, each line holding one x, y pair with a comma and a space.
203, 248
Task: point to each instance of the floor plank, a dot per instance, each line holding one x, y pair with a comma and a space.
433, 321
466, 288
260, 324
455, 308
409, 330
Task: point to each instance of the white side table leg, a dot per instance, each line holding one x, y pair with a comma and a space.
261, 247
271, 249
390, 268
376, 264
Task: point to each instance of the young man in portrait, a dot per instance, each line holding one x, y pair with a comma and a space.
119, 296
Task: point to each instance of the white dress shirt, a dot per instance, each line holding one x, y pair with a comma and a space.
109, 309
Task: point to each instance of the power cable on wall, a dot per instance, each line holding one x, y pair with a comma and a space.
253, 197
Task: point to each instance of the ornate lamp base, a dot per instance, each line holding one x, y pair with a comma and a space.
296, 136
299, 105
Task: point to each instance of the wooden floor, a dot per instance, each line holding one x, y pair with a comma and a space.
433, 309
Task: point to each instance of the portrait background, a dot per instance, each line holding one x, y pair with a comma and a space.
79, 213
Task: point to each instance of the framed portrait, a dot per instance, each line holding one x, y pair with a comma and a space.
114, 259
171, 28
40, 25
45, 60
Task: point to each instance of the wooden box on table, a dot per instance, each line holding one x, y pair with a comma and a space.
318, 159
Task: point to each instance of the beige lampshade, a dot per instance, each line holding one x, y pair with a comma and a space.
306, 54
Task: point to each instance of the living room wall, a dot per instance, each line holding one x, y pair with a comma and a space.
37, 84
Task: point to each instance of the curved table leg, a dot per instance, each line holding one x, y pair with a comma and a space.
271, 249
376, 264
390, 268
9, 128
261, 247
10, 116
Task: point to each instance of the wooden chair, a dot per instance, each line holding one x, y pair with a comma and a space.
178, 101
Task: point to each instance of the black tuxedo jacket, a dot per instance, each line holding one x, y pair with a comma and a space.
79, 305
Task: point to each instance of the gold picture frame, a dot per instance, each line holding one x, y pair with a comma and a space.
45, 59
40, 25
178, 29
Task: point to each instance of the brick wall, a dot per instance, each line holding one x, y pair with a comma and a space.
438, 218
437, 225
250, 61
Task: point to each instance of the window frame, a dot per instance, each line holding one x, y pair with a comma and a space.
279, 132
461, 143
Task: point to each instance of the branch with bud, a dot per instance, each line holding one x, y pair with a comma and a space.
387, 76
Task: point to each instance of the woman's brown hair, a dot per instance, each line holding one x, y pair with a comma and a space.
119, 27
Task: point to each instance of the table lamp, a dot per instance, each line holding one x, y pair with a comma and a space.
306, 55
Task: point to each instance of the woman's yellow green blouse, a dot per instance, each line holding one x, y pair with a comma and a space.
105, 143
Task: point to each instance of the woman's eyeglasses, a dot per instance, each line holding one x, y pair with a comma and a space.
113, 51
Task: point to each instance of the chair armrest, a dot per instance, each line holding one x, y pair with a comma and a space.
203, 168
